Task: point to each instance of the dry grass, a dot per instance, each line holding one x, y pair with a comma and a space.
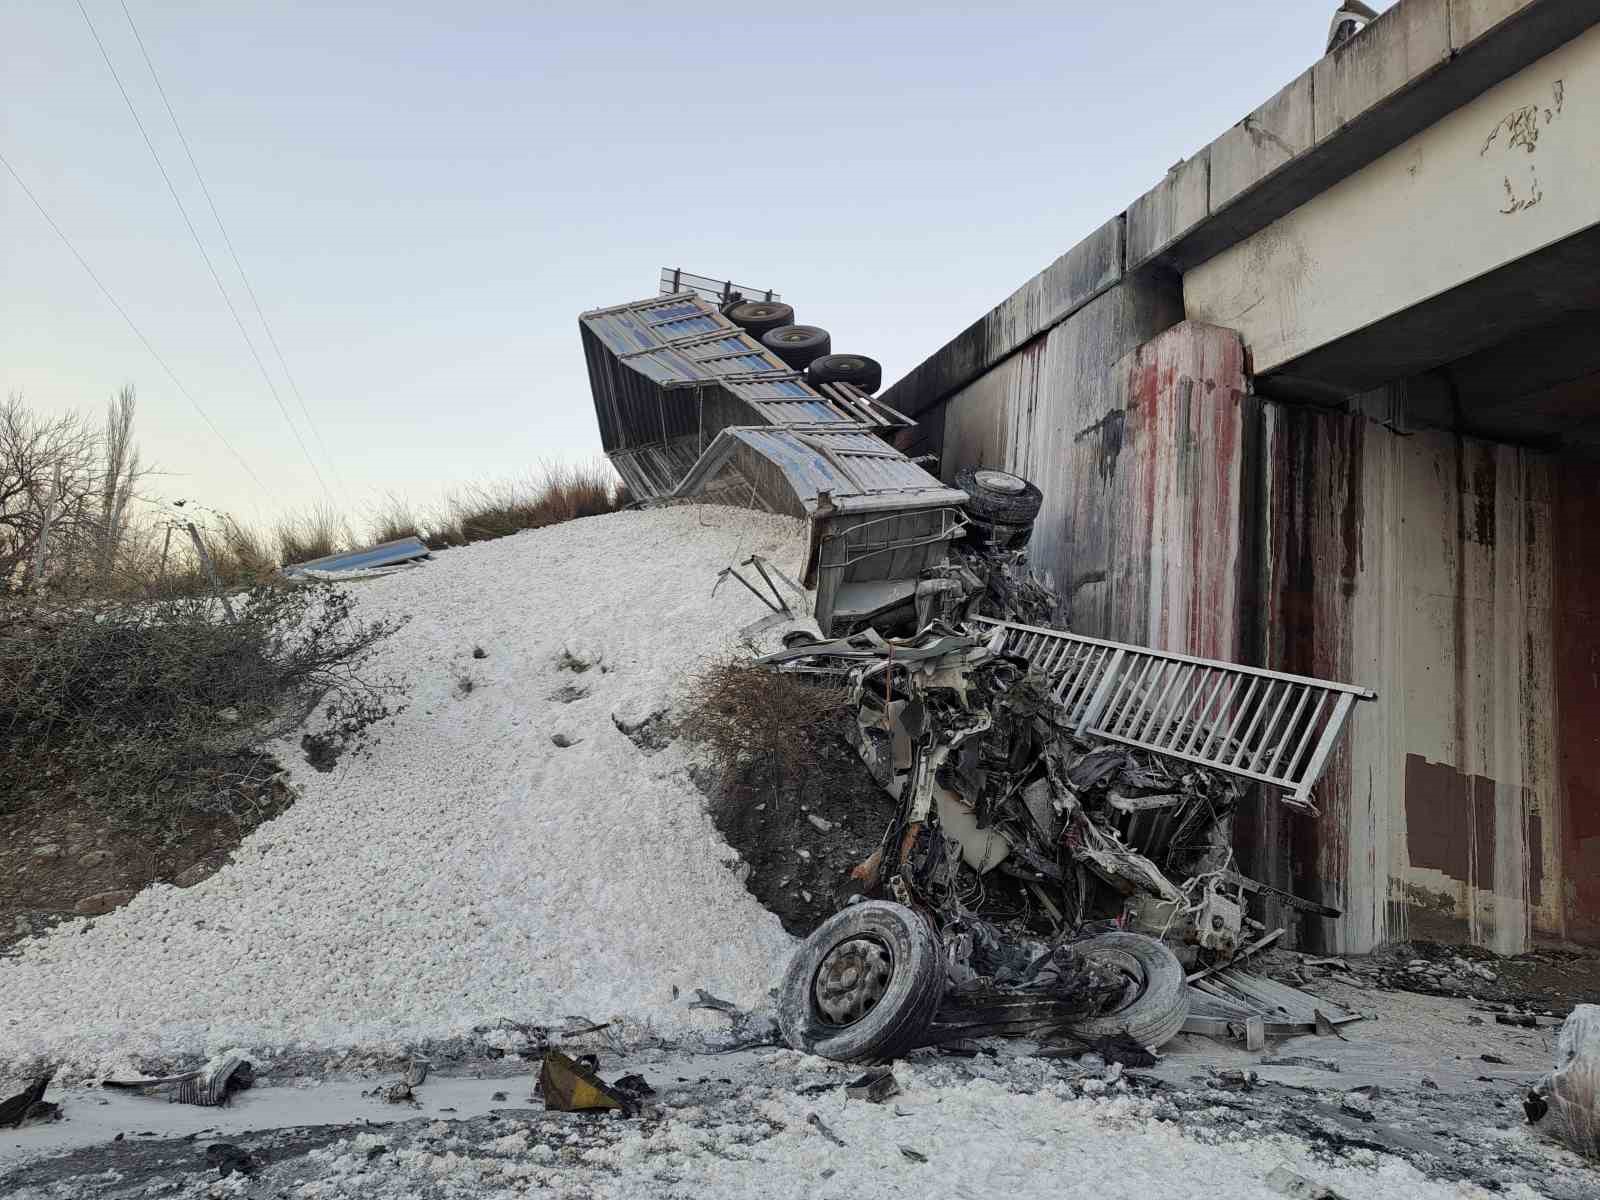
155, 557
316, 533
557, 492
394, 518
760, 724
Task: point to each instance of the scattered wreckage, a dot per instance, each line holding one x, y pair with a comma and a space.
1060, 862
1064, 802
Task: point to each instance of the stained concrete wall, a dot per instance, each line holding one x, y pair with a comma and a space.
1141, 461
1031, 413
1576, 606
1426, 567
1455, 577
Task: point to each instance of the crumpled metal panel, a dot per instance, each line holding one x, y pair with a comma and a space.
773, 389
622, 332
384, 554
671, 309
730, 343
807, 469
682, 327
871, 463
665, 366
655, 470
748, 362
795, 412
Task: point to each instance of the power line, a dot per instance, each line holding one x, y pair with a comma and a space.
217, 279
137, 332
228, 241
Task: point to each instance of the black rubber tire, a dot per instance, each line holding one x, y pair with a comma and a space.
799, 637
1160, 1004
866, 373
757, 317
798, 345
900, 1019
999, 496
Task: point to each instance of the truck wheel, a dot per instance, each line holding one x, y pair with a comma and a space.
865, 985
858, 369
999, 497
757, 317
1156, 1002
798, 345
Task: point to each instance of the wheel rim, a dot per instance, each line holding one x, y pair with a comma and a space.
1000, 481
1130, 968
851, 979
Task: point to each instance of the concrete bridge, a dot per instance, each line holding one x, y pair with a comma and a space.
1327, 399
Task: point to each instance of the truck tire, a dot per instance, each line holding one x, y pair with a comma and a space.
864, 985
757, 317
798, 345
1157, 1001
865, 373
999, 497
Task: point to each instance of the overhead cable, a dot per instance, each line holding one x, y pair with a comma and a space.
228, 241
193, 233
137, 332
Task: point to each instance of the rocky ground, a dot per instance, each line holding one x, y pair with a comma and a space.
61, 858
533, 843
1405, 1105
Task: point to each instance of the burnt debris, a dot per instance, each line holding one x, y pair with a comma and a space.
1062, 823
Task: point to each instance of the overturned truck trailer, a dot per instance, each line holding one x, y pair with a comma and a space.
691, 405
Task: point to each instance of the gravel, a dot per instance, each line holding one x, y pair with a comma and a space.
467, 868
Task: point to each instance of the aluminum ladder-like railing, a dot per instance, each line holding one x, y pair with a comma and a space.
1252, 723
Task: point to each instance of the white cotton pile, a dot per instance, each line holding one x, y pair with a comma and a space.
468, 868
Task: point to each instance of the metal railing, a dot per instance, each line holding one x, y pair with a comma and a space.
1252, 723
676, 279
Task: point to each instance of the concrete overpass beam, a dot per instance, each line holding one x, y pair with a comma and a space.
1510, 178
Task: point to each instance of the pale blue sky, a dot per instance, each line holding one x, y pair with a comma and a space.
426, 195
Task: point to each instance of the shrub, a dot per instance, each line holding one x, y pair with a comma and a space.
763, 728
131, 704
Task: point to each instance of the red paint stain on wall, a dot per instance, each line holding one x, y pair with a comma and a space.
1314, 472
1450, 825
1575, 616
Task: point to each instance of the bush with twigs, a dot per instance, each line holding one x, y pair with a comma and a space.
67, 493
131, 705
766, 731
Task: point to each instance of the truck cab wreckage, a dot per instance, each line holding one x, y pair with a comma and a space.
1060, 863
